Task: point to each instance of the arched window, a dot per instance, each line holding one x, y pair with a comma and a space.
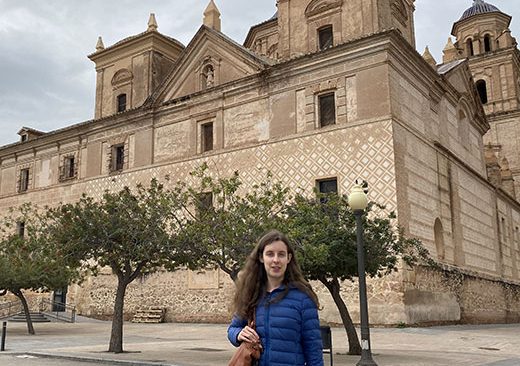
482, 91
469, 47
121, 102
439, 238
487, 43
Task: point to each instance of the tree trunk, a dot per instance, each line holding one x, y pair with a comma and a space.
30, 327
354, 348
116, 337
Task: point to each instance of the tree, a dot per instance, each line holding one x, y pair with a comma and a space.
324, 229
223, 224
28, 260
131, 231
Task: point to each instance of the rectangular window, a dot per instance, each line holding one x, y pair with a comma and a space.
121, 103
325, 37
68, 170
207, 137
24, 137
118, 157
24, 180
327, 109
20, 229
204, 202
329, 185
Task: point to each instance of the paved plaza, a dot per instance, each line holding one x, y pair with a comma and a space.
206, 344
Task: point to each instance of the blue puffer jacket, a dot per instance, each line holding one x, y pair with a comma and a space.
289, 330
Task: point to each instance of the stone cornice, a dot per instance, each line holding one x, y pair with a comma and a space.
145, 39
473, 18
74, 132
258, 28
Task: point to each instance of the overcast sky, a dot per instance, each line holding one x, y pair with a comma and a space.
47, 82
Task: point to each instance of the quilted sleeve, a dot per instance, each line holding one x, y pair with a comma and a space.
237, 324
311, 335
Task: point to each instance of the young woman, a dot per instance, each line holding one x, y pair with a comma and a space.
271, 287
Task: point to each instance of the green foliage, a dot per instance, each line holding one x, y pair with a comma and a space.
130, 231
223, 233
401, 325
31, 262
324, 228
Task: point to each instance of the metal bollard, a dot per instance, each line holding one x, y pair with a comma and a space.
4, 331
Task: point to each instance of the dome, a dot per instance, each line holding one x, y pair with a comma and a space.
479, 7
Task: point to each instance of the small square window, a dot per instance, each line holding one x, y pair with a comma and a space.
326, 38
328, 185
23, 138
327, 110
207, 137
23, 183
118, 157
121, 102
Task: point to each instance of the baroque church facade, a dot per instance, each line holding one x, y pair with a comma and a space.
323, 93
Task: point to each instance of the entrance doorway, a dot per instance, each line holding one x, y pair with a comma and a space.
59, 299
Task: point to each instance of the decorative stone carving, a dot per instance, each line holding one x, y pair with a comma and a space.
319, 6
121, 77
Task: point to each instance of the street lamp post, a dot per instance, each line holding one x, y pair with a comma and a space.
358, 202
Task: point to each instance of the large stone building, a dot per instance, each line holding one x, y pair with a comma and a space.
323, 93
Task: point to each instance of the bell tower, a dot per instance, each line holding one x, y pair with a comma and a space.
129, 71
306, 26
484, 38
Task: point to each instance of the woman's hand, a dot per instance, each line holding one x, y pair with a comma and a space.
248, 334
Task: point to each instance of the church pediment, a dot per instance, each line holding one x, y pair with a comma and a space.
211, 59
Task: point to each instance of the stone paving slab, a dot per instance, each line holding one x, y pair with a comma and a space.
206, 344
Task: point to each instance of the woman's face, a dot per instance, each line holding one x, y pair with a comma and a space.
275, 259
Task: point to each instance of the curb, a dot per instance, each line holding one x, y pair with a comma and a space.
93, 359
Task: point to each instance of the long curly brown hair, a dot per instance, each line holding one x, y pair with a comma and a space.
252, 279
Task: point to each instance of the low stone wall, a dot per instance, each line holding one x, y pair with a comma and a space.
205, 296
187, 296
455, 295
34, 301
421, 296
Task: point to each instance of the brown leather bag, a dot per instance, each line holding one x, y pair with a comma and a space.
248, 353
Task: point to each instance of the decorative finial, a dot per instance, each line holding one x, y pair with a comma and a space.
99, 45
504, 164
429, 58
449, 53
212, 16
449, 45
152, 23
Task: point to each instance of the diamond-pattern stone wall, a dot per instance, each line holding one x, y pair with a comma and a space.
344, 152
